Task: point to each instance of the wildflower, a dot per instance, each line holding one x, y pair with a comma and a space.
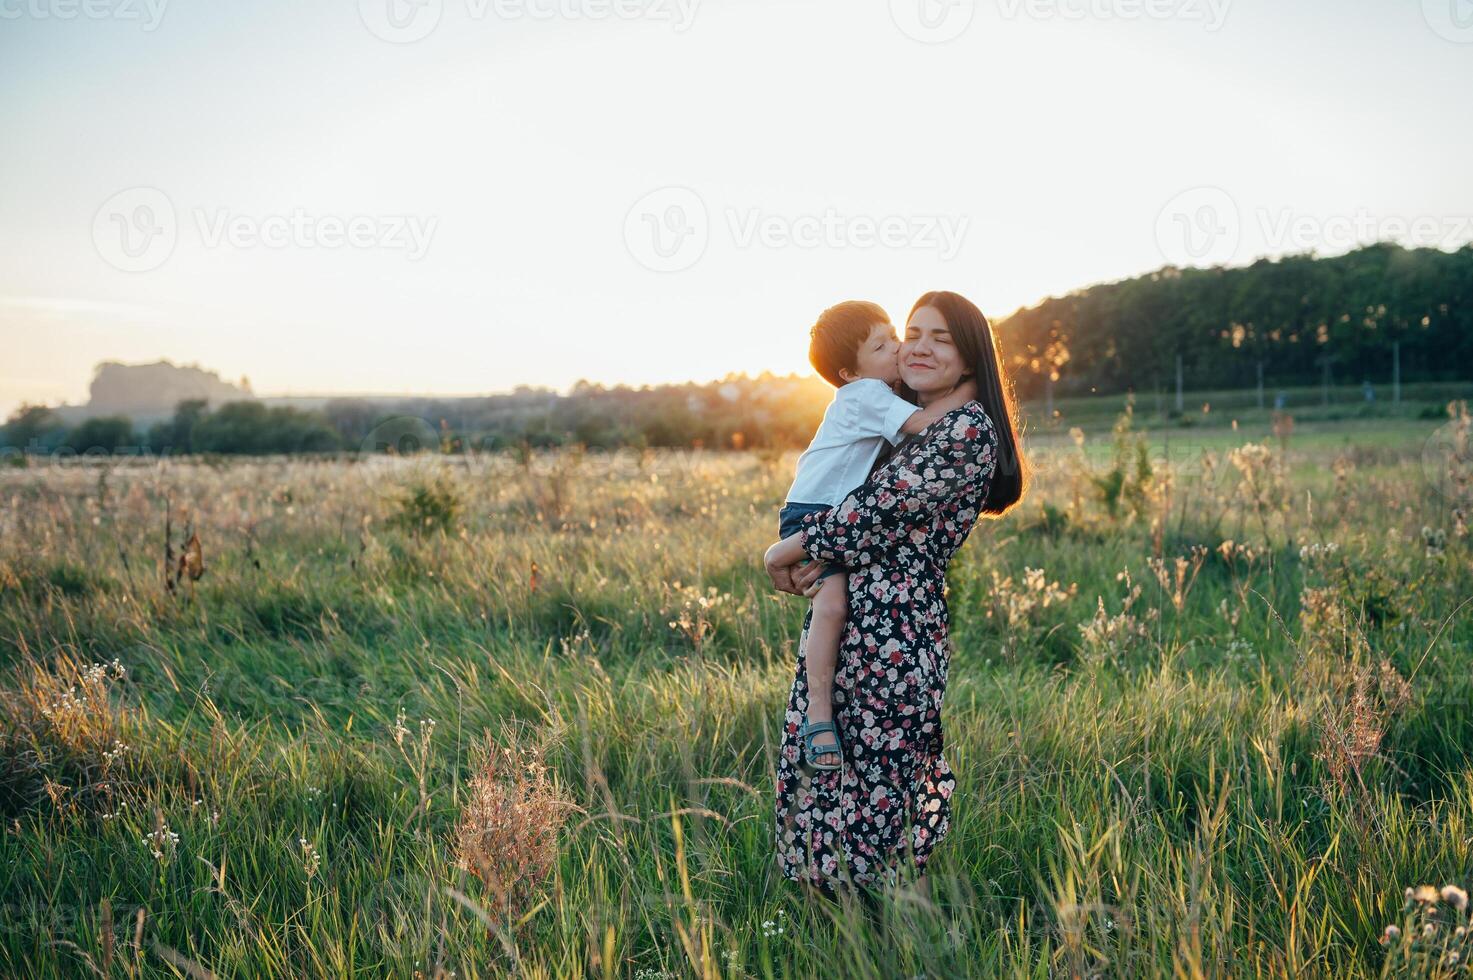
1425, 893
1313, 552
1392, 933
311, 857
1455, 896
161, 843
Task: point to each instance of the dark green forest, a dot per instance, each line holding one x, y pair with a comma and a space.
1293, 315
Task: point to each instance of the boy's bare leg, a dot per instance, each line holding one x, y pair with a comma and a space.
830, 610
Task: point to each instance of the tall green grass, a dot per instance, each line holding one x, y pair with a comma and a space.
1235, 772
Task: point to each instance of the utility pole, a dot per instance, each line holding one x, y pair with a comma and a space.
1396, 373
1178, 384
1260, 386
1324, 361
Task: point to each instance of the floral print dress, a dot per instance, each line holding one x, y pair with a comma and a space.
891, 797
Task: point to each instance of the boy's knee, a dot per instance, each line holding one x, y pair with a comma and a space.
832, 601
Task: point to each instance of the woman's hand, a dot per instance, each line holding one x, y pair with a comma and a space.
784, 564
805, 578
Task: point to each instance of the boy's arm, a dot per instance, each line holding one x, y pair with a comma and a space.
923, 417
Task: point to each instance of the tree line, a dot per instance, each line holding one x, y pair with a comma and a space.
1299, 320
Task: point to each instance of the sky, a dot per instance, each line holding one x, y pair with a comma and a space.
462, 196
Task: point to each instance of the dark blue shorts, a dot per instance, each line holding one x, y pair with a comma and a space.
790, 521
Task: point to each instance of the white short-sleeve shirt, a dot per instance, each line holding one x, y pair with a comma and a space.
863, 416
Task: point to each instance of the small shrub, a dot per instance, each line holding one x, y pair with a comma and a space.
1052, 521
428, 505
508, 830
66, 736
1128, 481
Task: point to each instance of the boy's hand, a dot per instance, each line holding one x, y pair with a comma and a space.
961, 394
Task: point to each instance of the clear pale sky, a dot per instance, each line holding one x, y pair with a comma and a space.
1057, 139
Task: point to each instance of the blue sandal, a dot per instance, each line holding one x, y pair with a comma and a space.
811, 729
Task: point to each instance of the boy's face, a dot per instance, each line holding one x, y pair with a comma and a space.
878, 356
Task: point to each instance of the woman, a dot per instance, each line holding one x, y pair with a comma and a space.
890, 799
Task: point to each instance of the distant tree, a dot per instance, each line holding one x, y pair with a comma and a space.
177, 434
107, 432
32, 426
250, 428
353, 418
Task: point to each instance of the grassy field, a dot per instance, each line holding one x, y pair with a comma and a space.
1209, 711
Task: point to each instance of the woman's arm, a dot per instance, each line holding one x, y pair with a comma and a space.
882, 514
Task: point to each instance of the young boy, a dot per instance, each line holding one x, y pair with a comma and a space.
854, 346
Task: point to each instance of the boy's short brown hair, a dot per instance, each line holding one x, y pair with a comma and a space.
836, 337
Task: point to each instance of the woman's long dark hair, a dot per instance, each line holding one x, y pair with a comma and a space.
974, 341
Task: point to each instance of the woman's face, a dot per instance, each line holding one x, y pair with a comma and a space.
929, 362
